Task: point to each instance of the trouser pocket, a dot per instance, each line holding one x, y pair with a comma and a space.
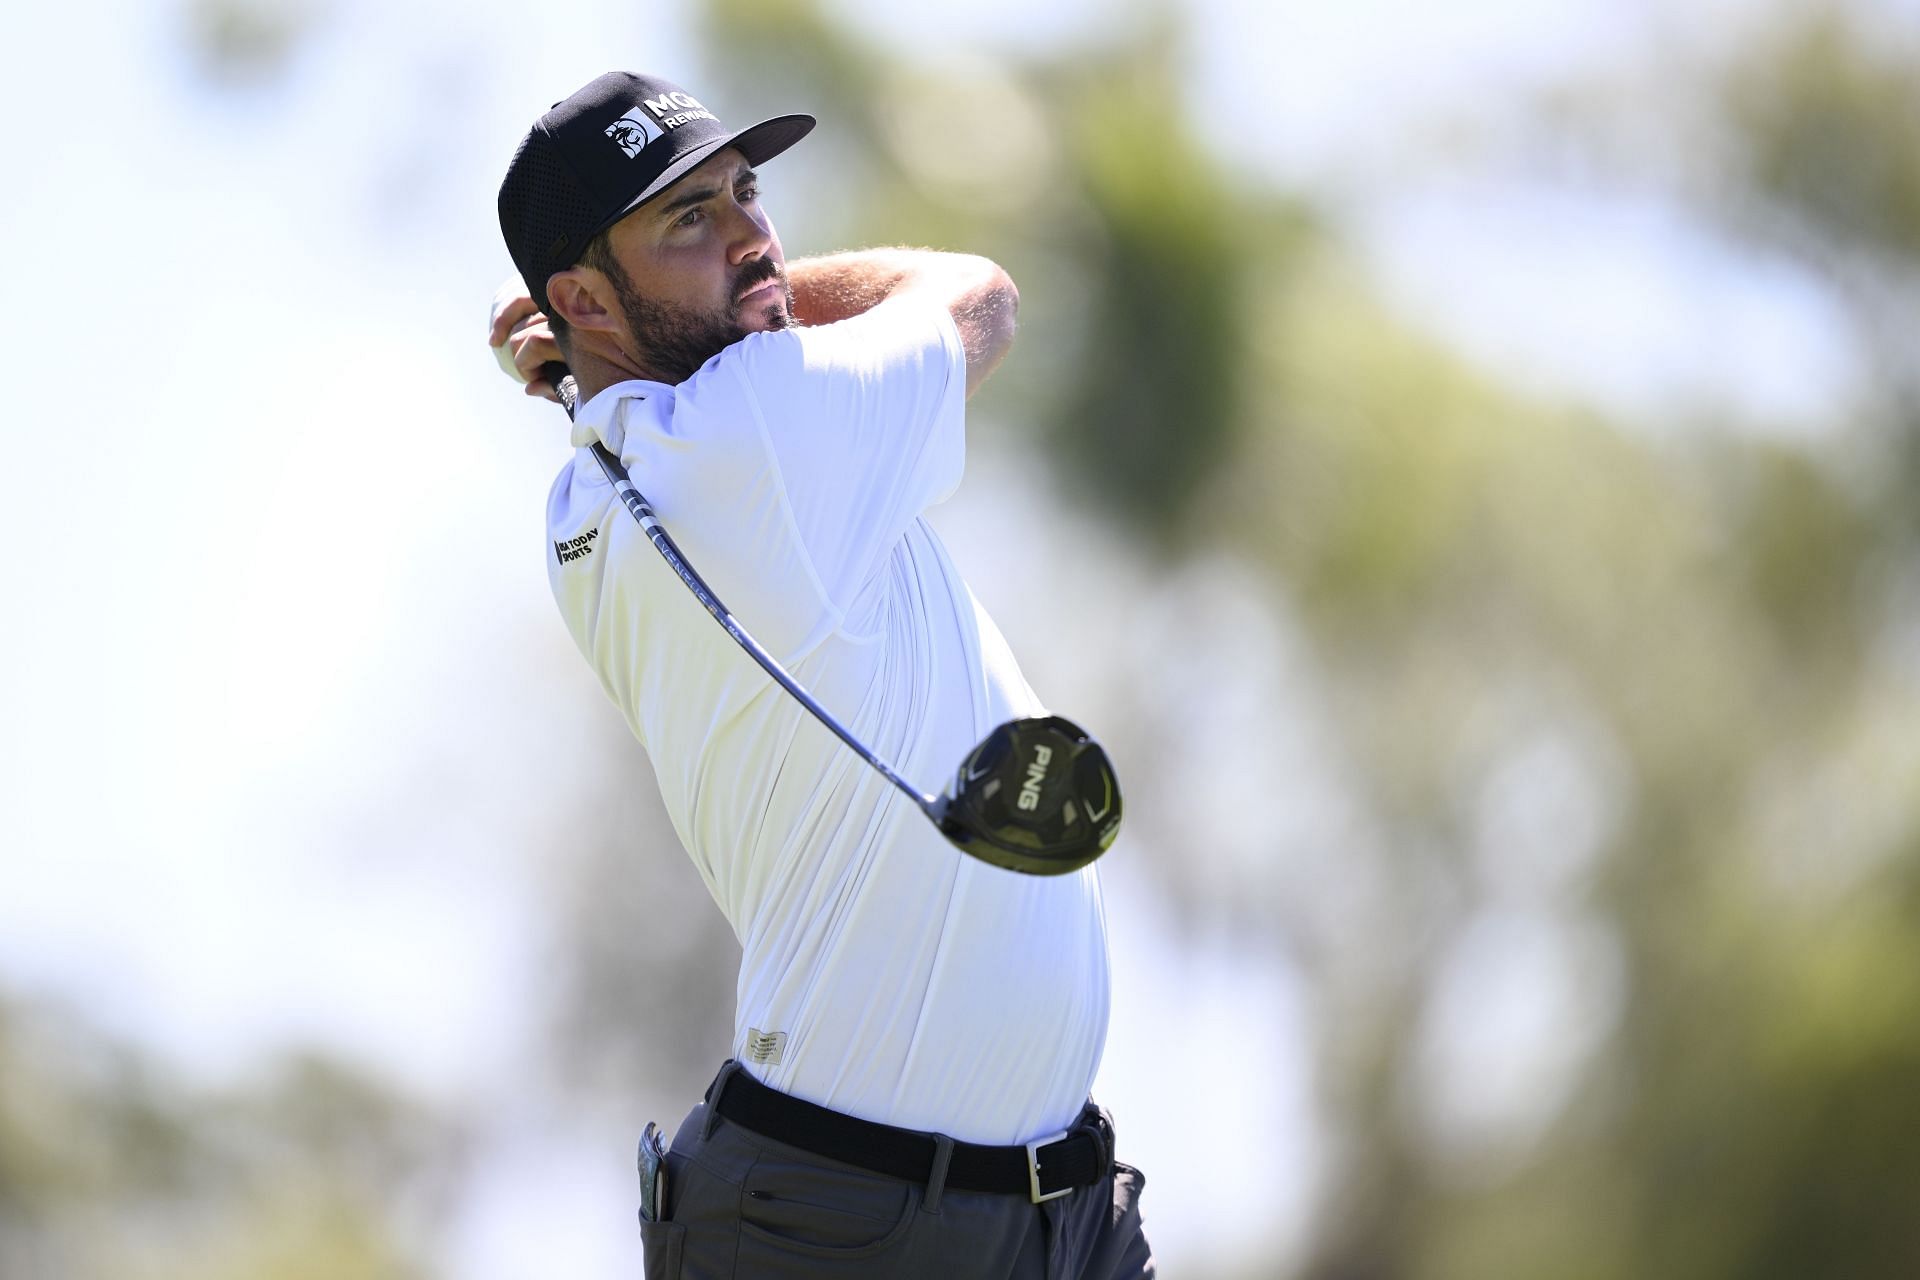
794, 1209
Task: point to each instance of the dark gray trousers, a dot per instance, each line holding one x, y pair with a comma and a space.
740, 1205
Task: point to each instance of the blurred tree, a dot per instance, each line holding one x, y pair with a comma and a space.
112, 1169
1735, 616
247, 42
1824, 112
1818, 121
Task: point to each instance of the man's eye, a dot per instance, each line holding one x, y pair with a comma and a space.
747, 195
688, 218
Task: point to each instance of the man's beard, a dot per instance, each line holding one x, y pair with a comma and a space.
675, 340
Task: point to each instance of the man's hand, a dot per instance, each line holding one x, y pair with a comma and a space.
521, 338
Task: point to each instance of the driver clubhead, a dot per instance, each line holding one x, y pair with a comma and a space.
1038, 795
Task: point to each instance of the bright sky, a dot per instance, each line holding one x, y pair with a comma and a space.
282, 702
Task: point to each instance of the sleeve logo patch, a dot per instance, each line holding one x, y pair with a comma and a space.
576, 548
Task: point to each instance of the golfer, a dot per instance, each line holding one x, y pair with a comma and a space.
915, 1031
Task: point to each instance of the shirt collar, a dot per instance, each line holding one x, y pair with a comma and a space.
600, 419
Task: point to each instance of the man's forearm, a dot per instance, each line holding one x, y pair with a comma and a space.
836, 286
979, 296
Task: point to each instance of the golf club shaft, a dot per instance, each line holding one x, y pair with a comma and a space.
637, 505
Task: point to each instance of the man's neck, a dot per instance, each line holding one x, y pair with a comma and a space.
595, 371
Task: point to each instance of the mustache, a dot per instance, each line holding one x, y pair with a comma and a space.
753, 275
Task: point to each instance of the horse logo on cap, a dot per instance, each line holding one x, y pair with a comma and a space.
633, 131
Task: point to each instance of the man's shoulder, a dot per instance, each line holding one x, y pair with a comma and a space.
898, 331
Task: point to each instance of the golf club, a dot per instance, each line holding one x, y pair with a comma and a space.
1037, 795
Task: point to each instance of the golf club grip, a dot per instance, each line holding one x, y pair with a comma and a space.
562, 380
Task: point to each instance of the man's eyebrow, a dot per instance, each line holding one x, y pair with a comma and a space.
705, 192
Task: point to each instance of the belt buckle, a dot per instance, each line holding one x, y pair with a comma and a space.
1033, 1167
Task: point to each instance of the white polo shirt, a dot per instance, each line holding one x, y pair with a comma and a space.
884, 974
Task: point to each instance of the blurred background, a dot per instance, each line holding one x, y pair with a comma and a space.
1464, 460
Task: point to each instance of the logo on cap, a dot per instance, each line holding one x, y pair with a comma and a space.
675, 109
633, 131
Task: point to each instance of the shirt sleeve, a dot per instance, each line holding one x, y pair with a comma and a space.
864, 422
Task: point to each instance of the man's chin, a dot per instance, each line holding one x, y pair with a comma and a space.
764, 317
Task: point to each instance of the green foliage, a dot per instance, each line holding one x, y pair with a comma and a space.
1828, 115
1804, 552
1776, 1137
248, 42
1173, 250
111, 1169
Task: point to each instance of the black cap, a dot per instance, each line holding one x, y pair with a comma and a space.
604, 152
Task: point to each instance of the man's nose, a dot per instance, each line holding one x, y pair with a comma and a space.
749, 234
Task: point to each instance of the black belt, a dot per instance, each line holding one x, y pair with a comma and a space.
1042, 1169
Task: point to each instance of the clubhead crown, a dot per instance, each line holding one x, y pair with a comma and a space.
1037, 795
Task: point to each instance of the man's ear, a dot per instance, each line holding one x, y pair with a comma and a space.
583, 298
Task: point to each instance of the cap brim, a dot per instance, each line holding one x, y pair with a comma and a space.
759, 143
